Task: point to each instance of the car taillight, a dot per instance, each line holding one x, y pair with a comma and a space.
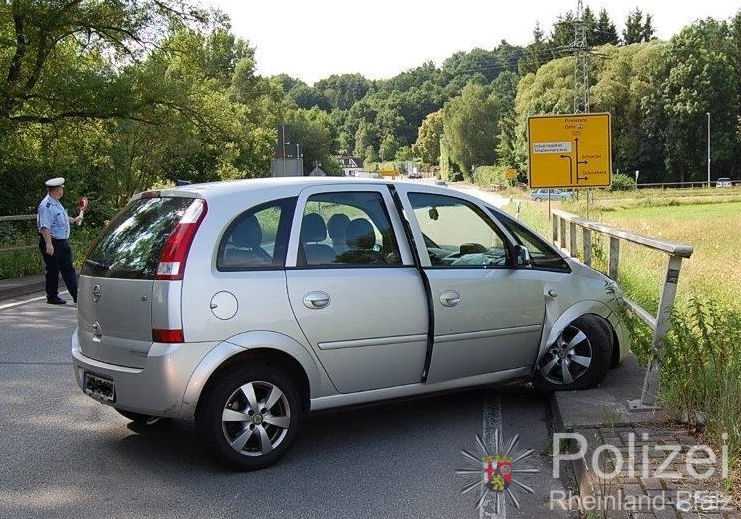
175, 252
167, 335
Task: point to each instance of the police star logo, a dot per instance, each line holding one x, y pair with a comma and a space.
493, 473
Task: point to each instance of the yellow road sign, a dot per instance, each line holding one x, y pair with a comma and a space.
569, 150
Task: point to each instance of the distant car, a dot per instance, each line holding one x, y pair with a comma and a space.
414, 174
556, 194
724, 182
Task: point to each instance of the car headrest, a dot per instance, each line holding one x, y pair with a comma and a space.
313, 228
247, 233
337, 226
360, 234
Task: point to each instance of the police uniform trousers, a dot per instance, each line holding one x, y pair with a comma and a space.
59, 262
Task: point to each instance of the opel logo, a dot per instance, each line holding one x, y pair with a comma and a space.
97, 292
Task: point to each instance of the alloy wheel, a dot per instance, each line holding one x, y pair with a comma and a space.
256, 418
568, 359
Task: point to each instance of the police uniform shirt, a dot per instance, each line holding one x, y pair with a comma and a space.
53, 216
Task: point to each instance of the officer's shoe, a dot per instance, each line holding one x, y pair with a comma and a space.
56, 301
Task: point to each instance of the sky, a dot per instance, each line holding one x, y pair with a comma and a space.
312, 39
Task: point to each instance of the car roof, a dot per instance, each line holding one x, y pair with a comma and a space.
280, 186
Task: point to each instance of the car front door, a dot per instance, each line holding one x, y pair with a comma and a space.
488, 315
354, 288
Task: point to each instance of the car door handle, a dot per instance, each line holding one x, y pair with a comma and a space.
450, 298
316, 300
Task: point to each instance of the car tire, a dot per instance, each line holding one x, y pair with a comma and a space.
137, 418
578, 359
236, 424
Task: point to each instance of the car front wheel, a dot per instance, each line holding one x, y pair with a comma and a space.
578, 359
250, 417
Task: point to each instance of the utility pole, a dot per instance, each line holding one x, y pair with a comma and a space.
581, 56
708, 114
581, 76
283, 142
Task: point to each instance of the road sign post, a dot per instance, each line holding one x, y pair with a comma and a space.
569, 151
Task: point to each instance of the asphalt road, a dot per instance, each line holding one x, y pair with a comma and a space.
64, 455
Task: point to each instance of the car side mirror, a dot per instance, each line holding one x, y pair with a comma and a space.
522, 256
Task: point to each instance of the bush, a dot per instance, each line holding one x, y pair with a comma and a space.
622, 182
701, 366
490, 176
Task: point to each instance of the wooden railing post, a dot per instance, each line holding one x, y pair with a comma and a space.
562, 233
554, 220
587, 245
572, 239
614, 261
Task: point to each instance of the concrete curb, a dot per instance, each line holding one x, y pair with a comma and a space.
587, 411
12, 288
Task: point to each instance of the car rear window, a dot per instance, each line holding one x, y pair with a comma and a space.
131, 244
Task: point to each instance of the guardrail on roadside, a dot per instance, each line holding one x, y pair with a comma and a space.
17, 218
660, 323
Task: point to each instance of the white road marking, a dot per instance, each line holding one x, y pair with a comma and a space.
491, 417
25, 302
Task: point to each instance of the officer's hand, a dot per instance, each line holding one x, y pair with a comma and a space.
49, 249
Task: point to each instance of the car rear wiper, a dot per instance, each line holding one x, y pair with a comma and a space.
97, 264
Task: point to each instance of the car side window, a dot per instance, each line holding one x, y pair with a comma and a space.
258, 238
457, 233
542, 255
347, 229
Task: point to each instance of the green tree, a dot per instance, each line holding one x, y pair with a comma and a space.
56, 58
504, 91
629, 78
536, 53
605, 31
427, 146
647, 32
388, 148
562, 34
702, 79
637, 29
310, 130
590, 25
370, 154
470, 124
343, 90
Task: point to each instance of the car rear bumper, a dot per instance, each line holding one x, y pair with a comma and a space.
157, 389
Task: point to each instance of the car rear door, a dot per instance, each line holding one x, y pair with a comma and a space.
488, 315
354, 288
117, 283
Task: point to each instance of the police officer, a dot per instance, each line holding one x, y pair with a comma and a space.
54, 227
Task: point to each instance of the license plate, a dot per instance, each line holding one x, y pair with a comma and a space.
100, 388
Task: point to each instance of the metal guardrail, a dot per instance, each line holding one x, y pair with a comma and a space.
17, 218
660, 323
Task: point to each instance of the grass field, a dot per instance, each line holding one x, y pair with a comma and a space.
714, 230
702, 365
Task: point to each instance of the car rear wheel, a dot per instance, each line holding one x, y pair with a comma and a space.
251, 416
578, 359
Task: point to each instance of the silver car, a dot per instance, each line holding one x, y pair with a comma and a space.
555, 194
247, 304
